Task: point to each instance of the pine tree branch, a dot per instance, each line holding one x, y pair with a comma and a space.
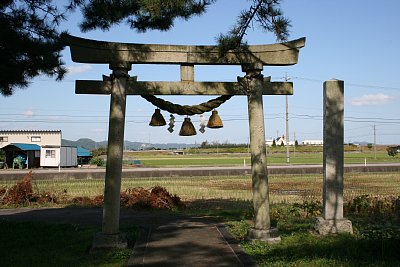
246, 26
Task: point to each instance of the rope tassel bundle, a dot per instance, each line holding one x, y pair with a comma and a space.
157, 119
214, 121
187, 128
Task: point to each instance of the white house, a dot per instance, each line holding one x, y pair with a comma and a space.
269, 141
279, 141
313, 142
51, 154
40, 138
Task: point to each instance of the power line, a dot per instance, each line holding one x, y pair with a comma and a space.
351, 84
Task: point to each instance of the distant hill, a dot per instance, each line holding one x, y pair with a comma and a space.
128, 145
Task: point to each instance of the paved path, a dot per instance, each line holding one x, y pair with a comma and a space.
195, 242
169, 240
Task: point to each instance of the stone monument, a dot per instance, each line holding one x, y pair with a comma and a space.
333, 161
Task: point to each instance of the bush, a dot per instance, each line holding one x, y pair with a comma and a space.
99, 151
274, 143
138, 198
97, 161
22, 194
383, 206
393, 150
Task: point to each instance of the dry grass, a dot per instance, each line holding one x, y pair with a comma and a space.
283, 188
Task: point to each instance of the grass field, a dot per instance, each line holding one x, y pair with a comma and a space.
283, 188
375, 242
239, 159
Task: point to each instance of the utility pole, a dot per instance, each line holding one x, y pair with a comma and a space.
287, 125
374, 141
294, 147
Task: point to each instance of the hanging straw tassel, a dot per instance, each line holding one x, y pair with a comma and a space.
157, 119
215, 121
187, 128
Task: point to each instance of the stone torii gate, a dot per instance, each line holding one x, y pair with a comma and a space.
121, 56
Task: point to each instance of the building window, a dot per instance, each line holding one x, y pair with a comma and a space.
50, 153
3, 138
35, 139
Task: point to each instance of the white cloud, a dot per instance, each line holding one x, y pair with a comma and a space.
78, 69
366, 100
29, 112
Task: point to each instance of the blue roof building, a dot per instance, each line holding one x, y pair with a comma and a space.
26, 147
83, 152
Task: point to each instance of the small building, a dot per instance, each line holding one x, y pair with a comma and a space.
52, 156
39, 148
84, 155
269, 141
280, 141
313, 142
40, 138
28, 155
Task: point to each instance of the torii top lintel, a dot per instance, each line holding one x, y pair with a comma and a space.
100, 52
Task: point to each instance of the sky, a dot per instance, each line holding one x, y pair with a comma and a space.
354, 41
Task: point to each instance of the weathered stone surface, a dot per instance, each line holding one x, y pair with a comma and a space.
325, 227
268, 235
102, 241
333, 158
181, 88
112, 189
187, 72
91, 51
262, 223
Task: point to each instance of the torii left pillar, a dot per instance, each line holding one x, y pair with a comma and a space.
261, 229
110, 235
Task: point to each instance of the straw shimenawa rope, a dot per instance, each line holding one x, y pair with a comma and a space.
187, 110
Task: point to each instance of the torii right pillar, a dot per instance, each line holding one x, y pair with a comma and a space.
332, 221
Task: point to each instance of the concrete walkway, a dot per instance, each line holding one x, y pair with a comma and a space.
192, 242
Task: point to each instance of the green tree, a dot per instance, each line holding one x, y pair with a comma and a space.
296, 143
99, 152
393, 150
265, 14
140, 15
204, 144
97, 161
274, 143
30, 43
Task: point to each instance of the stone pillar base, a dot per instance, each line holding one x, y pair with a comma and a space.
325, 227
270, 235
102, 241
